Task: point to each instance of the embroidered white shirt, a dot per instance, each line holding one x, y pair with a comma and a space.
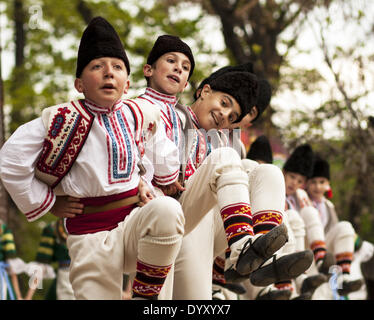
106, 165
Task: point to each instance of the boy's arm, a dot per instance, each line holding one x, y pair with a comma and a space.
18, 157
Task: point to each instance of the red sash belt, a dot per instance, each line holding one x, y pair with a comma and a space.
100, 221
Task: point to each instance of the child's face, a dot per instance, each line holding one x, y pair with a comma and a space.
216, 109
169, 74
103, 81
293, 182
317, 186
246, 122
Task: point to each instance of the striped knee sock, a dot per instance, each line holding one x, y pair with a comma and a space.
149, 280
218, 271
264, 221
344, 260
319, 250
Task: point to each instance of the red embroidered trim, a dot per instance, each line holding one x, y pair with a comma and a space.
166, 179
46, 203
160, 96
57, 160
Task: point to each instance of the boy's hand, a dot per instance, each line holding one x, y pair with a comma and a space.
172, 189
67, 207
145, 193
303, 198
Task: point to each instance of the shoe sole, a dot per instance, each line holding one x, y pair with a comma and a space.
350, 287
232, 276
327, 263
262, 249
276, 295
238, 289
285, 268
311, 283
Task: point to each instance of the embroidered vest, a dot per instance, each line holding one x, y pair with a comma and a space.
68, 127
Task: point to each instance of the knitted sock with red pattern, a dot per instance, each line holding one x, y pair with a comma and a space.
344, 260
284, 285
319, 250
233, 202
237, 221
218, 271
265, 220
149, 280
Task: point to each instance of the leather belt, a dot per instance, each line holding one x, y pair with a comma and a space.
112, 205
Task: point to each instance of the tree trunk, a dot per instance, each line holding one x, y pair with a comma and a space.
20, 40
258, 46
3, 193
19, 76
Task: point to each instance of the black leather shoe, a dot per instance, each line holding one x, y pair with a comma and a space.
285, 268
350, 286
254, 254
275, 295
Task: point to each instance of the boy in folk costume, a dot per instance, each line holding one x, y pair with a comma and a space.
304, 218
339, 235
169, 65
52, 248
10, 265
214, 110
308, 232
93, 181
261, 151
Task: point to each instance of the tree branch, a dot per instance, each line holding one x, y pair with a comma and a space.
84, 11
229, 22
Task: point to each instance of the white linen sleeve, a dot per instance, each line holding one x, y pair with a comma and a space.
164, 155
18, 158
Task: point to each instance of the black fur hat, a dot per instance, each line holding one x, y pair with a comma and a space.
245, 67
321, 168
301, 161
261, 150
99, 40
264, 97
243, 86
168, 43
264, 90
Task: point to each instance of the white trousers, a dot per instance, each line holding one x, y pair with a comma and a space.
341, 238
313, 225
220, 169
151, 234
63, 287
193, 266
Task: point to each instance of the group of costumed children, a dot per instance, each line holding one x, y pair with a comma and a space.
161, 192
